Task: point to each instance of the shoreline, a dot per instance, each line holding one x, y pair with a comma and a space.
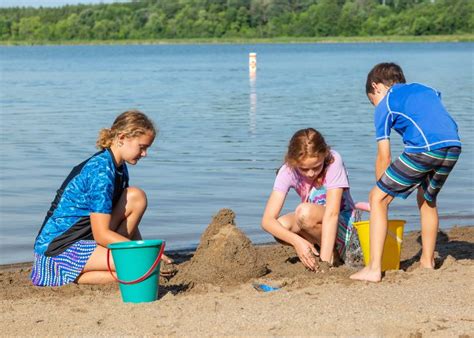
279, 40
191, 250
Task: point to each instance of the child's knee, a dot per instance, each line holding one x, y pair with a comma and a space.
379, 197
421, 199
306, 216
302, 211
137, 197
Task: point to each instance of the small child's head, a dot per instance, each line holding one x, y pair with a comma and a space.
132, 131
381, 78
308, 153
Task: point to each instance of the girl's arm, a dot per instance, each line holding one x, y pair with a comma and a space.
101, 231
330, 223
384, 158
270, 221
271, 224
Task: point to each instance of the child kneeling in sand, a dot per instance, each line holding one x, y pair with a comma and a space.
94, 207
325, 215
432, 148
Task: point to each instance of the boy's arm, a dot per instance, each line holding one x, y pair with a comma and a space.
384, 158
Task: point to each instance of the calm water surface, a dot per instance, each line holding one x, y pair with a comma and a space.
222, 134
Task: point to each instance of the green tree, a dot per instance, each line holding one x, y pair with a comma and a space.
280, 25
181, 25
350, 20
68, 29
156, 24
105, 29
373, 24
261, 11
142, 19
202, 26
28, 28
319, 20
5, 28
454, 16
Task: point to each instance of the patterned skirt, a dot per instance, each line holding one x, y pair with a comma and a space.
63, 268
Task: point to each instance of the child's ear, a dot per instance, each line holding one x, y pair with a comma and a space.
120, 138
376, 87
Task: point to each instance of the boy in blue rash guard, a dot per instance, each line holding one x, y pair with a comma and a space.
432, 148
94, 207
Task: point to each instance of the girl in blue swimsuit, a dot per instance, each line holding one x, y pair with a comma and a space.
94, 207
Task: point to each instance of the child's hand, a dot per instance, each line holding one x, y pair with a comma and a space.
168, 269
166, 259
307, 253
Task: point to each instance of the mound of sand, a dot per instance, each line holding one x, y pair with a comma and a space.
225, 256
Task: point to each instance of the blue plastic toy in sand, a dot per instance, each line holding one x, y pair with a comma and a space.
137, 264
264, 287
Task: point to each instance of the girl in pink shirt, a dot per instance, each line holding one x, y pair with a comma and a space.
325, 214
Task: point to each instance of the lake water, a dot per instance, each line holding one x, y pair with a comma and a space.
222, 134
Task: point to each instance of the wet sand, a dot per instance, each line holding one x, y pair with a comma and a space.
212, 295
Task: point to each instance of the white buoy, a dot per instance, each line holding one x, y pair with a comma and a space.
252, 63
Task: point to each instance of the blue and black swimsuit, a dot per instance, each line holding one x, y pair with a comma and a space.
65, 242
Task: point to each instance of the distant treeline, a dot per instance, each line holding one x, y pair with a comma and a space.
179, 19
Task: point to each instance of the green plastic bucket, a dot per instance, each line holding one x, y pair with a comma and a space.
137, 264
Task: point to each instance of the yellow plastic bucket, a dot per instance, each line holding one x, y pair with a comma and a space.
392, 247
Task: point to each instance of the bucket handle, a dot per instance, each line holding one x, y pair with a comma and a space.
145, 276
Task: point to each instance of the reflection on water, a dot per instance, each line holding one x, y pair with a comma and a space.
213, 149
253, 103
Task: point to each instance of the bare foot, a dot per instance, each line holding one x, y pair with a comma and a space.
168, 270
167, 260
427, 263
366, 274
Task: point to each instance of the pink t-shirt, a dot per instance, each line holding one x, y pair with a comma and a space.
336, 177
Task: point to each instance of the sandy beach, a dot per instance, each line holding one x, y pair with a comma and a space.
212, 294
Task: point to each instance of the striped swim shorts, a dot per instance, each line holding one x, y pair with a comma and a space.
63, 268
428, 169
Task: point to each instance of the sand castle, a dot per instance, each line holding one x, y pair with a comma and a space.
225, 256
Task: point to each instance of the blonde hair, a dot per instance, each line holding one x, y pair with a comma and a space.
131, 123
